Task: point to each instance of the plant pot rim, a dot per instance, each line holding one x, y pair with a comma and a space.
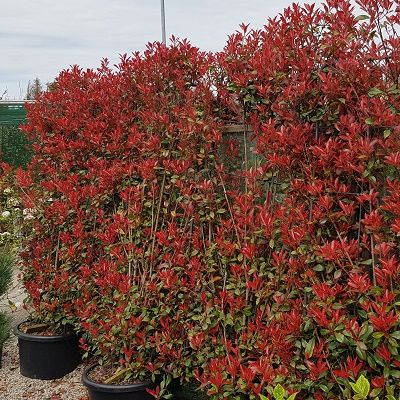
41, 338
102, 387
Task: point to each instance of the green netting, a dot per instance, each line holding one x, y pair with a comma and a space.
14, 147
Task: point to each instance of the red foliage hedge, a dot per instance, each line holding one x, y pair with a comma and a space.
288, 271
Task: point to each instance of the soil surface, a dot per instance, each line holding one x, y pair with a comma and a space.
101, 373
44, 330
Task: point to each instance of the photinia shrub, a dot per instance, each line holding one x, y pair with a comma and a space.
123, 180
312, 254
156, 238
285, 271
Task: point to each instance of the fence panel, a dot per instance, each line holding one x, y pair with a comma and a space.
14, 147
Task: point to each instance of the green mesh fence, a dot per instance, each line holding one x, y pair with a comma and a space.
14, 147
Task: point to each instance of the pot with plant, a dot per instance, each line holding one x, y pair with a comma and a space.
48, 344
44, 353
121, 391
120, 378
118, 335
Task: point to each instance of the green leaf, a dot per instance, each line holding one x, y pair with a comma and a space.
339, 337
355, 387
279, 392
374, 92
362, 346
310, 348
367, 262
363, 385
395, 335
361, 353
292, 396
262, 397
375, 392
337, 274
369, 121
362, 17
371, 361
395, 373
393, 343
378, 335
386, 133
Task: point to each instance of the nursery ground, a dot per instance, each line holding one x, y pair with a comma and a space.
13, 386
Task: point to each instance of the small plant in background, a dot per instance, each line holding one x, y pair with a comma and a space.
12, 213
5, 328
6, 266
6, 263
11, 230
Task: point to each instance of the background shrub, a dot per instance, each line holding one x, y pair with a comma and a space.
6, 264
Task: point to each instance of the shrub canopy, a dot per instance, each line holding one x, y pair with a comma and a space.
285, 270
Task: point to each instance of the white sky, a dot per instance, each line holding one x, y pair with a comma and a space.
42, 37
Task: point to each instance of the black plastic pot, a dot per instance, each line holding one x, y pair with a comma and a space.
47, 357
101, 391
188, 391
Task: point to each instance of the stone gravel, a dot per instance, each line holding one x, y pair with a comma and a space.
14, 386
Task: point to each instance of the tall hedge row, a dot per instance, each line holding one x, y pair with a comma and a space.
171, 262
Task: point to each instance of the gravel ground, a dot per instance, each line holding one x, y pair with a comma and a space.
14, 386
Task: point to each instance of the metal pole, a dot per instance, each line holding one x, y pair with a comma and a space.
164, 35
